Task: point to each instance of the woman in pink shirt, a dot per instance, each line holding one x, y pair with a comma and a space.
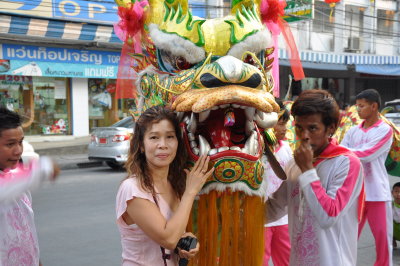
154, 202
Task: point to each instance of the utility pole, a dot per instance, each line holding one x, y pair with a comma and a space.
396, 30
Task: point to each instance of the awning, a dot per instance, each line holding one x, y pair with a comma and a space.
316, 57
365, 59
314, 65
387, 70
364, 63
56, 29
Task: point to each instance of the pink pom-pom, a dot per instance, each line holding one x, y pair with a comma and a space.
271, 10
132, 19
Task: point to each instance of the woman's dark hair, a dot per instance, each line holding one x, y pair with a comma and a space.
317, 102
136, 164
8, 119
283, 111
371, 96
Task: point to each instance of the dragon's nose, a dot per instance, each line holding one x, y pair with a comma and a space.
231, 72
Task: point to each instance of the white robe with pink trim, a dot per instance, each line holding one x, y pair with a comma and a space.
372, 146
18, 238
271, 183
323, 211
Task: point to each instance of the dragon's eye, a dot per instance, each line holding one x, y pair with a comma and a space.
172, 63
252, 61
182, 64
249, 60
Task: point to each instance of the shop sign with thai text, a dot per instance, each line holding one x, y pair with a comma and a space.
48, 69
58, 55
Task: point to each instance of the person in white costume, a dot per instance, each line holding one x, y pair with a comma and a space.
18, 238
276, 234
371, 142
323, 191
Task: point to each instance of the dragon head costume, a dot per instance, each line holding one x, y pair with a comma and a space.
216, 74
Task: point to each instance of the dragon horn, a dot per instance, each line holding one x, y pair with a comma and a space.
158, 9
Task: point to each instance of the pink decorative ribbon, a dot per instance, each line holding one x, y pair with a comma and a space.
272, 12
128, 29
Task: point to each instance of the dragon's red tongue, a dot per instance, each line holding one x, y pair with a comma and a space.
220, 134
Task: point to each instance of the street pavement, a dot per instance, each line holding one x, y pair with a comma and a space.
75, 219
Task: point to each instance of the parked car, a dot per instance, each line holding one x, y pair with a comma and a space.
111, 144
394, 113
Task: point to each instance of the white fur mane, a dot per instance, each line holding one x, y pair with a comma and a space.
254, 43
176, 45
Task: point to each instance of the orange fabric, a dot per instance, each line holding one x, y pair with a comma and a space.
230, 229
294, 57
126, 88
236, 229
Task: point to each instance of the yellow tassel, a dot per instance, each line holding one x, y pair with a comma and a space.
226, 230
236, 229
202, 217
331, 18
230, 228
212, 228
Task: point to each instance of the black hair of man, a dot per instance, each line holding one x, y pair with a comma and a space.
321, 102
371, 96
286, 115
8, 119
396, 185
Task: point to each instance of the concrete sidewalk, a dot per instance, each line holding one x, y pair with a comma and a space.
68, 152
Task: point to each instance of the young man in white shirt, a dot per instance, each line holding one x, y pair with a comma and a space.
371, 142
276, 234
323, 191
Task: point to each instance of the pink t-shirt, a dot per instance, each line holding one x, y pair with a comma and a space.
18, 238
137, 247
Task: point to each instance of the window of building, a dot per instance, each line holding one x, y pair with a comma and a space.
43, 103
323, 17
354, 16
104, 108
385, 22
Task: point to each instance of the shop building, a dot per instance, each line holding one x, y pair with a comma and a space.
345, 49
60, 73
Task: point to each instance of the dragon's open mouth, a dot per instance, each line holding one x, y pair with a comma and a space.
224, 130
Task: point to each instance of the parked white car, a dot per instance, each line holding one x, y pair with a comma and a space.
111, 144
394, 114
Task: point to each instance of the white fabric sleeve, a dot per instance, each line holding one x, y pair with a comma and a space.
378, 145
22, 179
346, 139
343, 187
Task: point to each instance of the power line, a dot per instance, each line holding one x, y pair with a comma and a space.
192, 5
334, 25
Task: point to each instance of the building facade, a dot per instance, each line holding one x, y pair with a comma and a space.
59, 59
59, 64
348, 48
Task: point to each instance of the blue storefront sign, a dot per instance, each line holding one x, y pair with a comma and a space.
58, 55
28, 60
104, 11
48, 69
